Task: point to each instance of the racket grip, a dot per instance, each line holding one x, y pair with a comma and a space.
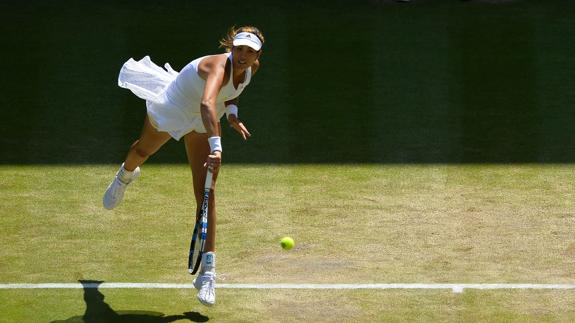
209, 177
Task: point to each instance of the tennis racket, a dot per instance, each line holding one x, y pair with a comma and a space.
200, 230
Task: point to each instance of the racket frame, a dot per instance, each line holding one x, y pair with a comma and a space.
200, 228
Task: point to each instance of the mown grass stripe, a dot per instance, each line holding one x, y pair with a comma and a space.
456, 288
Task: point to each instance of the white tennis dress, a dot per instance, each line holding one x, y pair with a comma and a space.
173, 99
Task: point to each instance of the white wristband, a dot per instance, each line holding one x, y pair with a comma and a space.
215, 144
232, 109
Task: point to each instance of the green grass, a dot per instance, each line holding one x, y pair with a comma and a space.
292, 306
351, 223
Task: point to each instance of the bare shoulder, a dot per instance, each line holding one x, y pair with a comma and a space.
213, 64
255, 66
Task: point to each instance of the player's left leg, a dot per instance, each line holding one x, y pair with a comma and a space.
197, 150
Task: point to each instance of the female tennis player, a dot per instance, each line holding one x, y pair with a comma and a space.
189, 104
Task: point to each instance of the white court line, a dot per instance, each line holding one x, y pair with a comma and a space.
456, 288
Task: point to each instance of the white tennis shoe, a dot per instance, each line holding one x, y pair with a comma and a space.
198, 281
206, 285
116, 189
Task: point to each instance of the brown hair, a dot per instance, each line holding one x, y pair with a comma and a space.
227, 41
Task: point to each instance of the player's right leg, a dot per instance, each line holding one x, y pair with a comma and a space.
149, 143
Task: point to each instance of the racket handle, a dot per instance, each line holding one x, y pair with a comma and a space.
209, 177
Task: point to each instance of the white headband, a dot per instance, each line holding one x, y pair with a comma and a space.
248, 39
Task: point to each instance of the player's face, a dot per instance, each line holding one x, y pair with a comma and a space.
244, 56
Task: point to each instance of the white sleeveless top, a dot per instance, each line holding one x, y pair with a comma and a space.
173, 99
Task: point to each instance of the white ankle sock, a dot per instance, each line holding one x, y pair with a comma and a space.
125, 175
209, 262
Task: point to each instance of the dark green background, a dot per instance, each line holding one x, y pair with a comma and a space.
341, 81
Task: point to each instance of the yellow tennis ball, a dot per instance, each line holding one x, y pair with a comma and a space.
287, 243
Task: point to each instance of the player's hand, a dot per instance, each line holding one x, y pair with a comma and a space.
214, 161
239, 126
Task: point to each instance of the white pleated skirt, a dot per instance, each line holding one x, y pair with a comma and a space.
150, 82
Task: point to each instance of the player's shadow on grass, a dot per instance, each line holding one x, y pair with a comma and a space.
98, 311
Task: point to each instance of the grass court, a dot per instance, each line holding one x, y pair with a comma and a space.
352, 224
